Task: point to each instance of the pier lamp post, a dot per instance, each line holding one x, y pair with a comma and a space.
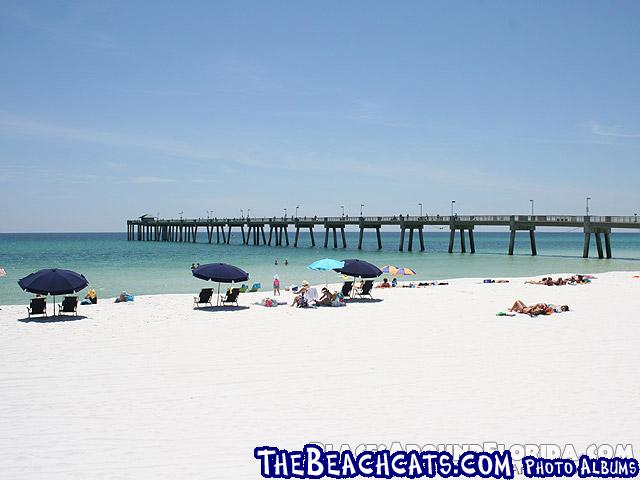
248, 212
588, 198
297, 207
342, 207
452, 204
531, 207
285, 214
361, 207
241, 213
420, 208
181, 215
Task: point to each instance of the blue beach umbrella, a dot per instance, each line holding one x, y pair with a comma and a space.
325, 265
53, 281
221, 273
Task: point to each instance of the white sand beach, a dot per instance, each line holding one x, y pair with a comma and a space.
156, 389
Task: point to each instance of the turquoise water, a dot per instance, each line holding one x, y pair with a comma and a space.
113, 264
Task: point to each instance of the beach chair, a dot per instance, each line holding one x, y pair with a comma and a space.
68, 305
255, 287
204, 298
37, 306
243, 288
366, 289
231, 297
346, 289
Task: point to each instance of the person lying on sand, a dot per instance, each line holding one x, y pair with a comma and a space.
538, 308
545, 281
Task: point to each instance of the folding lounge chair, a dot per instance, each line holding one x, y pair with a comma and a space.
204, 298
69, 305
366, 289
346, 289
231, 297
37, 306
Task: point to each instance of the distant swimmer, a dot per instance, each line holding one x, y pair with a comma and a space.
286, 262
276, 262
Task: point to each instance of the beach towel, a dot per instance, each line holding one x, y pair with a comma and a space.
311, 295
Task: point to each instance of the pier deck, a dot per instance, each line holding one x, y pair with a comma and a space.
148, 228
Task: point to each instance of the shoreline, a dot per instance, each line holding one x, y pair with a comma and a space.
336, 286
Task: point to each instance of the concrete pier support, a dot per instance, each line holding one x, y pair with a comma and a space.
378, 237
402, 230
512, 241
360, 238
587, 241
599, 245
463, 244
532, 237
532, 240
598, 232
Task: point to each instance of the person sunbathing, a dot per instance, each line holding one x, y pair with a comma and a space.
385, 284
326, 298
545, 281
538, 309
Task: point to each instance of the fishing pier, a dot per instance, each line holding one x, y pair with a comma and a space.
149, 228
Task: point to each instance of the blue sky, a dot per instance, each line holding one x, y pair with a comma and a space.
111, 109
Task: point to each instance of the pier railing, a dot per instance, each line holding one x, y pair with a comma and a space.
186, 229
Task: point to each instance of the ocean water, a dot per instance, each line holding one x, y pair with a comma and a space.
112, 264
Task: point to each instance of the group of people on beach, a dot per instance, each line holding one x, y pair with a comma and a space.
307, 296
573, 280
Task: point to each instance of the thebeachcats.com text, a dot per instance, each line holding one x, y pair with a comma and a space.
314, 461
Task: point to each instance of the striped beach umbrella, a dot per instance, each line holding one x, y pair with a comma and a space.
406, 271
390, 269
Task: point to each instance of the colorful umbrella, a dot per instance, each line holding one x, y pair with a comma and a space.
405, 271
390, 269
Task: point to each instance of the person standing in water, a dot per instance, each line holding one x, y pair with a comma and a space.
276, 262
286, 262
276, 285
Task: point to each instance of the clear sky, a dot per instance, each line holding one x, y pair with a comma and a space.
112, 109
